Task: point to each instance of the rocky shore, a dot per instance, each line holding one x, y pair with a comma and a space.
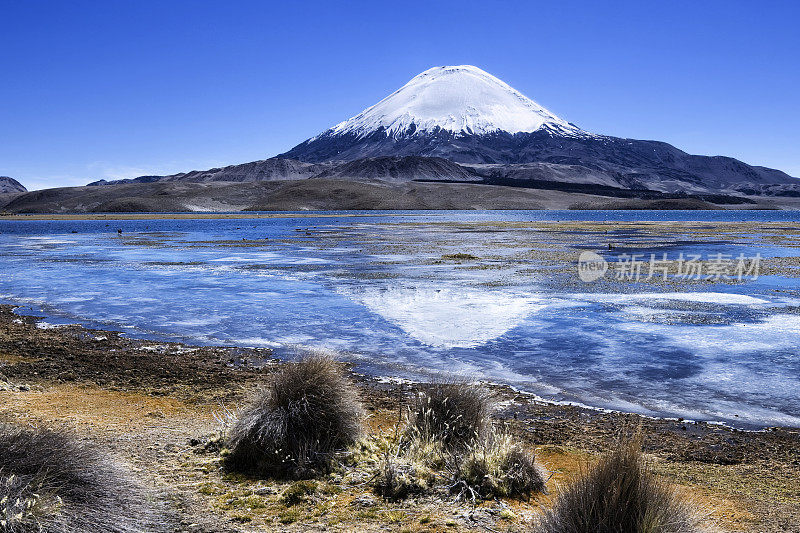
162, 407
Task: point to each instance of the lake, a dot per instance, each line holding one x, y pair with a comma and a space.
494, 295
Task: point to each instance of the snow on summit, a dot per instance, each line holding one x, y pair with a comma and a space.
460, 99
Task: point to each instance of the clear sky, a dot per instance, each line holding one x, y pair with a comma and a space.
112, 89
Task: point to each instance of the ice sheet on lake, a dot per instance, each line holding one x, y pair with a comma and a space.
773, 333
721, 298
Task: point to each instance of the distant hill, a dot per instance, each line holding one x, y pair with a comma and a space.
10, 185
263, 170
452, 137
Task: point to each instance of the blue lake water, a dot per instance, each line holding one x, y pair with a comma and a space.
492, 295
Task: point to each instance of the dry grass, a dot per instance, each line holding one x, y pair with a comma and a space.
449, 436
455, 414
219, 498
309, 411
620, 494
499, 467
93, 406
51, 482
400, 476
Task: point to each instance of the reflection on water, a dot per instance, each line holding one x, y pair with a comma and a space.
450, 317
492, 295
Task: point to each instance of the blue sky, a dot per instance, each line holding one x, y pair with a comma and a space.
110, 89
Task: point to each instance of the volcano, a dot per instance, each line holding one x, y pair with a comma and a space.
469, 117
453, 137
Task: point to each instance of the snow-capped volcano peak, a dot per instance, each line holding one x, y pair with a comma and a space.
458, 113
461, 99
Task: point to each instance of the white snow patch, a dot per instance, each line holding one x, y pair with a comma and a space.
47, 240
460, 99
47, 325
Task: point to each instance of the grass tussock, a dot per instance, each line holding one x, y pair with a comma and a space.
499, 467
398, 479
403, 474
620, 494
449, 437
51, 482
454, 414
309, 411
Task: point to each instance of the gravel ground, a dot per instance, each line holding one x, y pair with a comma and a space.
160, 407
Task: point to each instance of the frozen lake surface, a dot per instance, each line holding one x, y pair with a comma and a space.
492, 295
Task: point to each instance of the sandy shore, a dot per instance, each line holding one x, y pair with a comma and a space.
159, 407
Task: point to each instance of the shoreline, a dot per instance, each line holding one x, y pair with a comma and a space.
150, 400
42, 323
246, 215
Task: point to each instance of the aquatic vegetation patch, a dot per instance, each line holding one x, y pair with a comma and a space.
459, 257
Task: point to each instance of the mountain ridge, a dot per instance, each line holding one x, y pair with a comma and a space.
626, 162
457, 126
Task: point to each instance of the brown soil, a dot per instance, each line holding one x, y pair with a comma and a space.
162, 406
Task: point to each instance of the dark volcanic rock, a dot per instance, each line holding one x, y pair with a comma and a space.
10, 185
611, 160
407, 168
